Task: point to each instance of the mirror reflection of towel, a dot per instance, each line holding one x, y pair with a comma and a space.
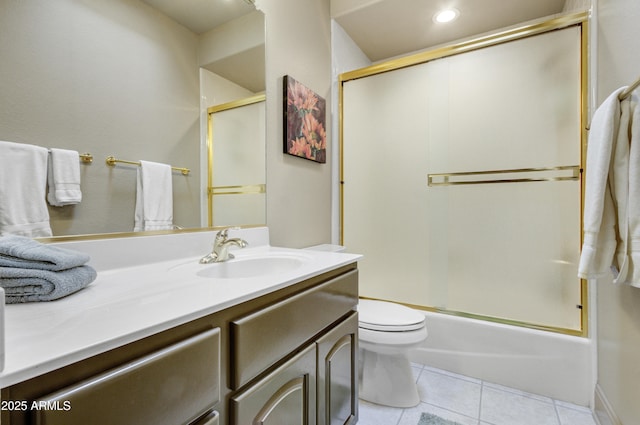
23, 182
154, 197
64, 178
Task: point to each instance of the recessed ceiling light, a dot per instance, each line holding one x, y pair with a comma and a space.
446, 15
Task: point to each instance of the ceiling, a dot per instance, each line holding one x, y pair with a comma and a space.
201, 16
245, 68
387, 28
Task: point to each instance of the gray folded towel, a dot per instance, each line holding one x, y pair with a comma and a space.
22, 252
30, 285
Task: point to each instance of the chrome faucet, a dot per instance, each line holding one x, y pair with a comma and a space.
221, 246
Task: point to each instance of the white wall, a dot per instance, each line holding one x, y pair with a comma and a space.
347, 56
618, 314
298, 43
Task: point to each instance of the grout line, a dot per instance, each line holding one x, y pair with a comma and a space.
555, 409
400, 417
480, 404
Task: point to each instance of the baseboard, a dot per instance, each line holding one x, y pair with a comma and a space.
603, 412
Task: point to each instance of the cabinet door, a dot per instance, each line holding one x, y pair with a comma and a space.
285, 396
338, 374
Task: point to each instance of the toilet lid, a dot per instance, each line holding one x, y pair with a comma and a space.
389, 317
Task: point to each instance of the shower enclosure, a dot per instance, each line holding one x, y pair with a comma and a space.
236, 187
461, 177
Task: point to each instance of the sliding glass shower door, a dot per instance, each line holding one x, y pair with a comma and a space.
462, 183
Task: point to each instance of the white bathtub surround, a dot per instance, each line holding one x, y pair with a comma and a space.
539, 362
145, 285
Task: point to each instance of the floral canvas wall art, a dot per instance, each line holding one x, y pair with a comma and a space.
304, 122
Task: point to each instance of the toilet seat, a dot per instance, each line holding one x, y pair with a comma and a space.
384, 316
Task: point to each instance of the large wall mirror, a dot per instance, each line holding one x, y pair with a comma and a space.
131, 79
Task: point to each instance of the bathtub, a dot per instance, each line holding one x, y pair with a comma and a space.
545, 363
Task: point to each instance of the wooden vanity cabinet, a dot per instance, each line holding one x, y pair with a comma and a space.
316, 331
318, 385
286, 357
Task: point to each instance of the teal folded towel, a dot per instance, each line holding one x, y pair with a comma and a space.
22, 252
31, 285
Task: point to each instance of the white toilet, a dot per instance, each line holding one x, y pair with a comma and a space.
386, 333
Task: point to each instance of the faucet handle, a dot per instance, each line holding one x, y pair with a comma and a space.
225, 232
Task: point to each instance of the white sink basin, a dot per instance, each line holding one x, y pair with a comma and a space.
245, 265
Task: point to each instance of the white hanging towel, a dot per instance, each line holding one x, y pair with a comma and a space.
631, 250
64, 178
23, 183
154, 197
612, 192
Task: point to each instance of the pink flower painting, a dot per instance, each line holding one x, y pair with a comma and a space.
304, 122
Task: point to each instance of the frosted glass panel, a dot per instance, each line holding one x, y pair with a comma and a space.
512, 251
519, 108
239, 146
385, 191
234, 210
503, 250
239, 165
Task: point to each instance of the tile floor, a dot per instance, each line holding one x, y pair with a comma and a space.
470, 401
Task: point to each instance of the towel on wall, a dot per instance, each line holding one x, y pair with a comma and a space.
23, 181
612, 192
64, 178
632, 249
32, 285
154, 197
22, 252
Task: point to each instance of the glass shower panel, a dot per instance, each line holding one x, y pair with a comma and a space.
503, 250
239, 171
512, 251
238, 146
239, 209
511, 248
385, 190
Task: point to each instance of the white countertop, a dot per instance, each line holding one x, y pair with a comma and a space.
126, 304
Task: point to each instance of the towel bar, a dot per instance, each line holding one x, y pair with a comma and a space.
445, 179
111, 161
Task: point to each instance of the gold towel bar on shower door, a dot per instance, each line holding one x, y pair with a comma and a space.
111, 161
238, 190
542, 174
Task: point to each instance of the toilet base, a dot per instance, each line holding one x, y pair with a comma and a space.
387, 379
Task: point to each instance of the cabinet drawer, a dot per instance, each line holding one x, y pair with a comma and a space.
171, 386
211, 418
262, 338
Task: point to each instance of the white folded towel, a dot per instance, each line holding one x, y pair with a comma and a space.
64, 178
154, 197
23, 183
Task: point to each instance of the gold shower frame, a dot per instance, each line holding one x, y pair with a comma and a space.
581, 20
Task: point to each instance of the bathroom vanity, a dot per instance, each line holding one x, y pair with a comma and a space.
159, 344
